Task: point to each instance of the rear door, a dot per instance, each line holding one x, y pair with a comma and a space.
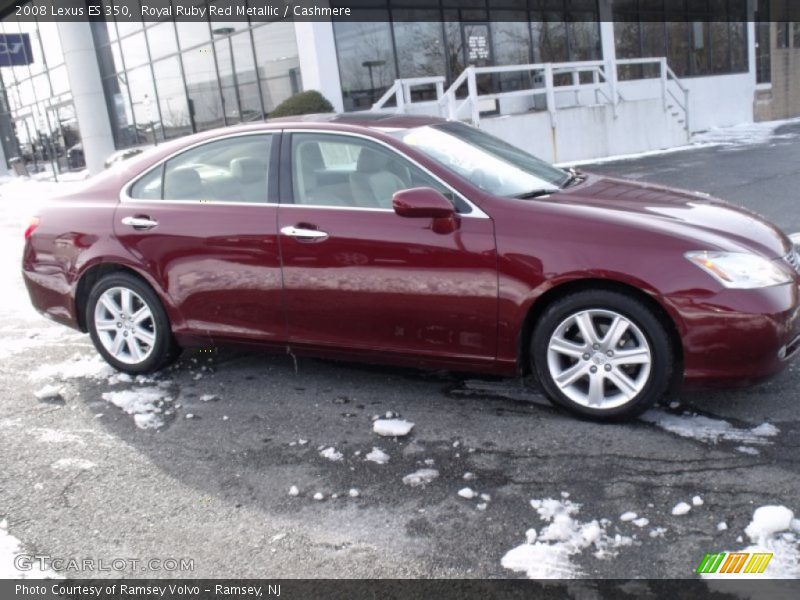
203, 223
358, 276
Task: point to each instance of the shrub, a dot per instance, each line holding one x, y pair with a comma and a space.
304, 103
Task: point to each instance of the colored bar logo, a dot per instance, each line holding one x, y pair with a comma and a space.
734, 562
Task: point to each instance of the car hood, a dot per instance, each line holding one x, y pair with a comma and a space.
693, 215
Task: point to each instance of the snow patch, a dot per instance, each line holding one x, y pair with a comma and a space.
697, 501
420, 477
467, 493
548, 555
392, 427
10, 547
331, 454
49, 393
78, 367
143, 403
377, 456
69, 464
705, 429
681, 508
628, 516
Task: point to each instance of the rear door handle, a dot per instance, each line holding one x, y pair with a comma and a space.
303, 234
140, 222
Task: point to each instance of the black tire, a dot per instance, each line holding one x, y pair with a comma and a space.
652, 383
161, 352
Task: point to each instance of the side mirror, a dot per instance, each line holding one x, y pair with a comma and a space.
423, 203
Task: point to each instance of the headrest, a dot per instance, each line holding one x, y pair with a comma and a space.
184, 182
370, 161
311, 156
248, 170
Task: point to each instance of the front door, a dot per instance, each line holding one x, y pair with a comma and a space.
204, 224
358, 276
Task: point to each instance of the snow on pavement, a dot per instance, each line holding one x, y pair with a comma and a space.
377, 456
145, 404
10, 548
420, 477
706, 429
392, 427
549, 555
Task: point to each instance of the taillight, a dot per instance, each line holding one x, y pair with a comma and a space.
33, 223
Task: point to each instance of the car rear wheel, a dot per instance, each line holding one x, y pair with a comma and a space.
128, 325
602, 354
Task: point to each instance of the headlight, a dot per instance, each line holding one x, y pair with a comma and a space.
739, 270
795, 237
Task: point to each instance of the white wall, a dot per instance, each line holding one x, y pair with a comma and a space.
584, 133
319, 68
718, 101
91, 110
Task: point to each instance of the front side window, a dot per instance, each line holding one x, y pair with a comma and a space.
336, 170
229, 170
484, 160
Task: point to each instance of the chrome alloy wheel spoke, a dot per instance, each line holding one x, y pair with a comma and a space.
125, 325
599, 358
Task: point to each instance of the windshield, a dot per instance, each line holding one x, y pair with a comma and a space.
487, 162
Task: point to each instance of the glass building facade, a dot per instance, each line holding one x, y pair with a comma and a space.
441, 37
167, 79
37, 114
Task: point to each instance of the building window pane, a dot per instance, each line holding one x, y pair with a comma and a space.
763, 43
227, 80
720, 47
135, 50
175, 120
247, 77
59, 80
143, 100
782, 34
678, 47
739, 58
420, 47
51, 43
278, 65
584, 38
202, 87
699, 58
162, 40
512, 46
121, 114
191, 34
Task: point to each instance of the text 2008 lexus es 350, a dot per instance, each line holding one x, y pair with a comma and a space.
417, 241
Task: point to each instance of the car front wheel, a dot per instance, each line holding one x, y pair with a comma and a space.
602, 354
128, 325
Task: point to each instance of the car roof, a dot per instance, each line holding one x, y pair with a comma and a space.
373, 120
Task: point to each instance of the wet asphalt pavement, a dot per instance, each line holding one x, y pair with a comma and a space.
214, 487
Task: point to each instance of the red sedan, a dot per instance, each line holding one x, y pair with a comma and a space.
416, 241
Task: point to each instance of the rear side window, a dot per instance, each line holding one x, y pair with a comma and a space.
229, 170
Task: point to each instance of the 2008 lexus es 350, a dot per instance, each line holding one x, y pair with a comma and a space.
417, 241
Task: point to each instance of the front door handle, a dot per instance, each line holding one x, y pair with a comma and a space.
303, 234
139, 222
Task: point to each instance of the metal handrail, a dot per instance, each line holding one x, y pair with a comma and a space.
604, 81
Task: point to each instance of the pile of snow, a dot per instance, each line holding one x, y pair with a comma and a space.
420, 477
10, 547
709, 430
49, 393
744, 133
467, 493
92, 367
681, 508
548, 555
143, 403
69, 464
773, 529
331, 454
392, 427
378, 456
